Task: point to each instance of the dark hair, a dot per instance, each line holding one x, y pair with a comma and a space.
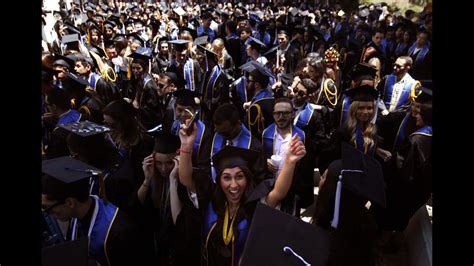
128, 129
142, 63
309, 85
284, 100
59, 98
120, 44
226, 112
247, 29
260, 78
206, 15
426, 113
231, 26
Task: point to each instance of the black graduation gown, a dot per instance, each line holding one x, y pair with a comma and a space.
409, 182
423, 70
106, 90
149, 112
160, 65
90, 105
220, 93
233, 47
353, 240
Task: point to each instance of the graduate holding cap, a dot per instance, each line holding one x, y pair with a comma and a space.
228, 204
113, 238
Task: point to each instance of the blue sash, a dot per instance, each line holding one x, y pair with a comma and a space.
209, 92
197, 142
69, 117
269, 137
210, 220
400, 48
407, 89
243, 141
189, 74
146, 79
421, 55
346, 102
93, 80
360, 144
304, 116
401, 132
425, 131
262, 94
101, 222
241, 87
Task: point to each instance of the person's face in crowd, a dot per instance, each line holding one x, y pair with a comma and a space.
164, 49
109, 31
422, 39
244, 35
389, 35
300, 94
249, 51
399, 33
111, 52
282, 40
82, 69
180, 56
137, 70
110, 122
227, 130
233, 183
95, 37
134, 46
323, 29
59, 209
364, 112
200, 57
310, 72
182, 114
419, 120
399, 67
164, 163
406, 37
206, 23
377, 38
242, 24
129, 28
63, 70
283, 115
415, 109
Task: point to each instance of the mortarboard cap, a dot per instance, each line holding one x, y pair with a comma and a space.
193, 32
173, 77
364, 12
256, 67
72, 253
96, 49
180, 11
85, 128
109, 44
201, 40
186, 97
230, 157
362, 71
137, 38
110, 23
284, 30
424, 95
74, 81
208, 53
285, 240
256, 43
364, 93
142, 53
70, 38
166, 142
179, 45
271, 51
62, 60
71, 29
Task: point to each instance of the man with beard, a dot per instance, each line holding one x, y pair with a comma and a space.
275, 139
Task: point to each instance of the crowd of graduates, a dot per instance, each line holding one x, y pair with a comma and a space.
165, 125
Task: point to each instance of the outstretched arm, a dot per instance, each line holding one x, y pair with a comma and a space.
185, 162
294, 153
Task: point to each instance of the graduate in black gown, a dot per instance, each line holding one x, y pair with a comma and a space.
227, 206
113, 238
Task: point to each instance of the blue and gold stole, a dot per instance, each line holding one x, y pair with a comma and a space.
346, 102
210, 221
325, 88
94, 77
207, 90
189, 74
407, 93
258, 120
269, 137
304, 117
425, 131
244, 140
361, 145
241, 87
421, 55
400, 137
102, 221
69, 117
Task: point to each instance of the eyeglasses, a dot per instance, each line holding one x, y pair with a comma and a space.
285, 114
45, 208
298, 91
397, 66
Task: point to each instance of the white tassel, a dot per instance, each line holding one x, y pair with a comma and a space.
337, 202
213, 173
289, 251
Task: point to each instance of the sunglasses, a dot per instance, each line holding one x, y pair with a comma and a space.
45, 208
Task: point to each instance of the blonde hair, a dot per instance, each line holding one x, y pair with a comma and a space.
370, 130
219, 48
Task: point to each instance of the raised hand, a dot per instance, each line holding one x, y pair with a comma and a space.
187, 140
149, 167
296, 150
